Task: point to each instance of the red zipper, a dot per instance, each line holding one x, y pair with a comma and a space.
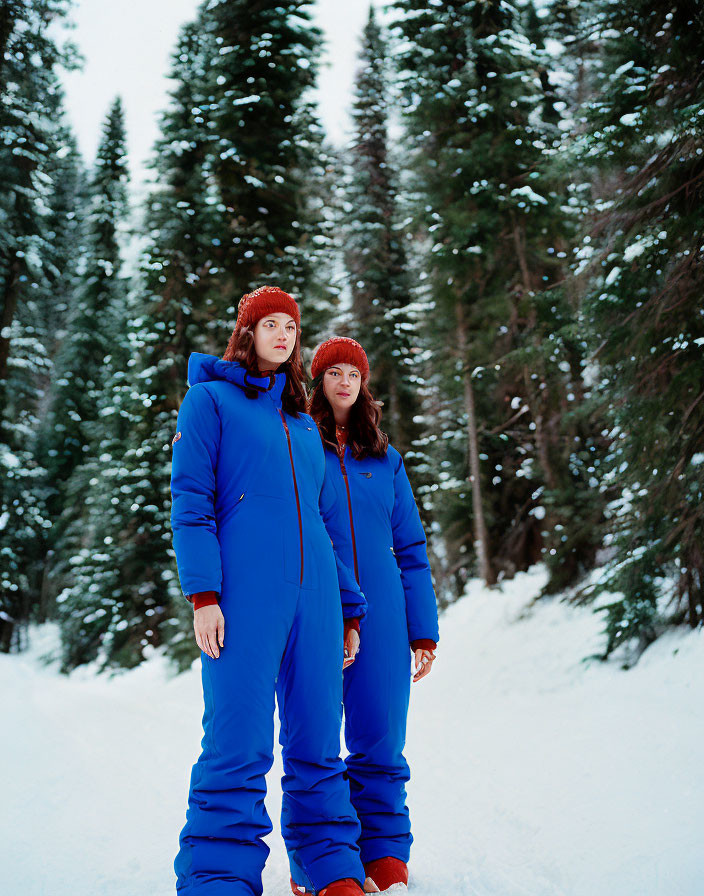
349, 505
295, 486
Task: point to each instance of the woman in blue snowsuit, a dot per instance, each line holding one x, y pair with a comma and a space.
373, 520
254, 556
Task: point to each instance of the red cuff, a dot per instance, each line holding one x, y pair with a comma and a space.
351, 623
423, 644
203, 599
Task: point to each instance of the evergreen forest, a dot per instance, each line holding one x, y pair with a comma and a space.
514, 232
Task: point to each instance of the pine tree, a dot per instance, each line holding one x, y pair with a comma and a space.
91, 355
32, 135
481, 152
82, 363
267, 150
554, 404
644, 143
128, 576
235, 205
374, 249
63, 259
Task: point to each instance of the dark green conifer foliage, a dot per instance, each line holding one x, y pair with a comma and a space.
234, 206
480, 153
374, 251
175, 314
127, 585
32, 133
64, 262
91, 355
267, 150
554, 404
645, 145
65, 236
81, 368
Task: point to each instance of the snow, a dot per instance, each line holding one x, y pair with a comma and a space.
253, 98
534, 773
636, 249
554, 48
612, 276
530, 195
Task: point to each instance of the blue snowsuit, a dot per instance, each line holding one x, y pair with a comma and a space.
373, 520
246, 517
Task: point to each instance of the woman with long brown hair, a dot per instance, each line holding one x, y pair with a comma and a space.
255, 559
375, 526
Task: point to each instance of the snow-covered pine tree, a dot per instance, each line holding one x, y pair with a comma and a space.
555, 406
322, 297
134, 598
479, 150
82, 363
183, 222
65, 236
236, 198
374, 250
32, 136
64, 260
90, 353
644, 143
267, 151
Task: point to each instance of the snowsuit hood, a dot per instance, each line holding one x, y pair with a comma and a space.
204, 368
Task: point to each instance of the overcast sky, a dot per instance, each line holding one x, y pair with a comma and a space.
127, 47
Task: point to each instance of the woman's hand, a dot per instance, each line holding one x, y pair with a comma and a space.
209, 626
351, 647
424, 663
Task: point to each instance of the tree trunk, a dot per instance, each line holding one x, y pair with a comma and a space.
7, 24
534, 399
519, 243
7, 313
480, 533
9, 306
395, 415
543, 456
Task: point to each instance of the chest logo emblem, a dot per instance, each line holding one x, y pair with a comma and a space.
176, 438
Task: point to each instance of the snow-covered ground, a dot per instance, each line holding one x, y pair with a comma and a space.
534, 773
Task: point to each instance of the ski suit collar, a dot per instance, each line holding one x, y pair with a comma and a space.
205, 368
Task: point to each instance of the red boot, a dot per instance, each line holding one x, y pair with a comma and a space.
346, 887
386, 872
299, 889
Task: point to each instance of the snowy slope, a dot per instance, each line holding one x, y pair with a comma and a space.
534, 773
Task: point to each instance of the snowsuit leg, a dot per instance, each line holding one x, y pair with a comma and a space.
309, 692
376, 697
221, 848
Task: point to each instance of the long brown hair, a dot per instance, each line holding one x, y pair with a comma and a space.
364, 437
241, 348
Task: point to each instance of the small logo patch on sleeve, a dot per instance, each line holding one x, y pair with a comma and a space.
176, 438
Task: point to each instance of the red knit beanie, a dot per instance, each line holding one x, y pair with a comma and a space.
265, 300
340, 350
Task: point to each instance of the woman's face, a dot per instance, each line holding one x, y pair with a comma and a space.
274, 339
341, 385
